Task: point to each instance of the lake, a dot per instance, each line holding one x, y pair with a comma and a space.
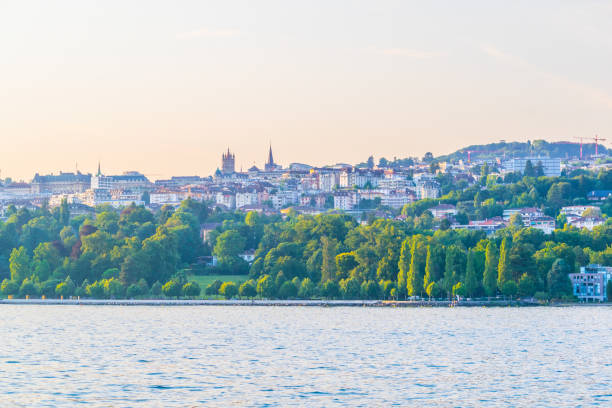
291, 356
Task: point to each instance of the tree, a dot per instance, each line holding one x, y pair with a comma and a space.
350, 288
509, 288
330, 289
191, 289
504, 273
489, 279
228, 289
265, 287
213, 288
516, 222
415, 277
19, 264
307, 289
328, 266
559, 284
454, 267
432, 290
156, 289
114, 289
526, 285
171, 289
529, 170
370, 290
9, 287
28, 288
287, 290
247, 289
404, 266
65, 288
345, 262
471, 282
95, 290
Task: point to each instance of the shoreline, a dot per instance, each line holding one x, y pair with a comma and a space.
294, 303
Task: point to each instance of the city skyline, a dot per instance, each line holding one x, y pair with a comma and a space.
164, 89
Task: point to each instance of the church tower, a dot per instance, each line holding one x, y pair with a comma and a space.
270, 165
228, 161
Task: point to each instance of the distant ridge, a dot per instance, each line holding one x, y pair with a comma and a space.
517, 149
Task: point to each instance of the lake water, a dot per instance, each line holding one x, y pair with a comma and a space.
283, 356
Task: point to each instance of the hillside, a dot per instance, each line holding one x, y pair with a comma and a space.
536, 148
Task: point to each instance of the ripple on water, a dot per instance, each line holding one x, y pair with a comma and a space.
143, 356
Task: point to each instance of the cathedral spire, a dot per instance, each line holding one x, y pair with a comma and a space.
270, 157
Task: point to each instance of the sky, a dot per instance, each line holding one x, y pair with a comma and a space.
164, 87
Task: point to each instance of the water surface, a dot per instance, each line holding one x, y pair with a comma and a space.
281, 356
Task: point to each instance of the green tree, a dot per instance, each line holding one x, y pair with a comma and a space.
265, 287
156, 289
19, 264
509, 288
248, 289
503, 268
172, 289
213, 288
404, 266
345, 262
559, 284
65, 288
28, 288
330, 289
526, 285
307, 289
191, 289
287, 290
328, 266
471, 282
415, 277
350, 288
9, 287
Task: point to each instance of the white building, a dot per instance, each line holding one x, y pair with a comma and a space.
590, 284
443, 210
550, 165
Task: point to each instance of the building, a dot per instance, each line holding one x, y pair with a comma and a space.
228, 163
427, 189
490, 226
129, 180
590, 284
526, 213
270, 165
586, 222
598, 195
63, 183
544, 223
443, 210
550, 165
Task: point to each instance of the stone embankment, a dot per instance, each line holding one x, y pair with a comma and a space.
259, 302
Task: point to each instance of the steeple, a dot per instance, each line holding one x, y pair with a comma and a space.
99, 173
270, 157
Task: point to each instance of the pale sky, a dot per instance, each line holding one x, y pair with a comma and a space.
165, 86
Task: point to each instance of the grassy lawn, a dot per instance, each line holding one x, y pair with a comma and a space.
205, 280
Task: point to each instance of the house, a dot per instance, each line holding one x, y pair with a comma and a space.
490, 226
526, 213
598, 195
590, 284
586, 222
443, 210
544, 223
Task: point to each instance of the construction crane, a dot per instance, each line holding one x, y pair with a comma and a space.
598, 139
581, 139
